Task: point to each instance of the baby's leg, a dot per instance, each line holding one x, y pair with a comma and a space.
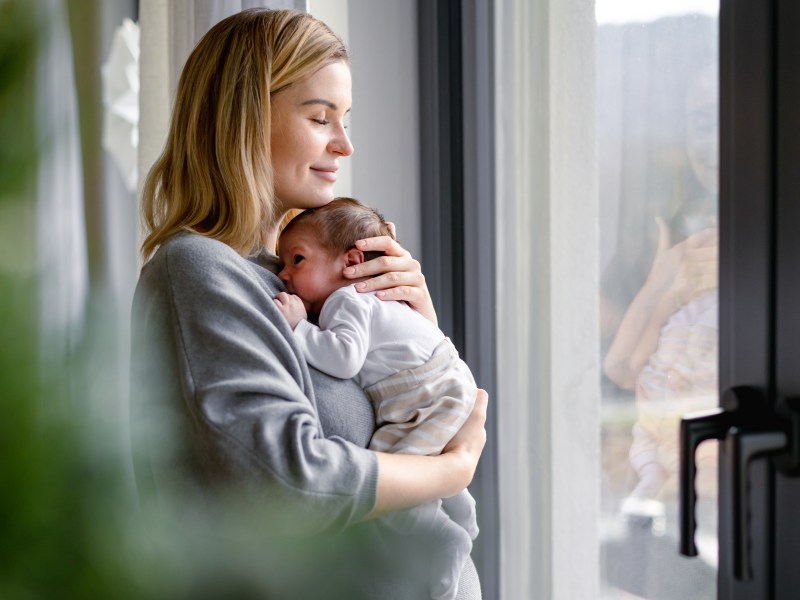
461, 509
452, 547
450, 542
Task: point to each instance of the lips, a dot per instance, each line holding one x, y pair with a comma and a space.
326, 173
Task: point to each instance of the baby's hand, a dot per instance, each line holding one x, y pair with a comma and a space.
291, 307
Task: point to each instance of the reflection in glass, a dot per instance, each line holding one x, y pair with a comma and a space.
657, 99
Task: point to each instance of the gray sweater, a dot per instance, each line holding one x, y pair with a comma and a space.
222, 401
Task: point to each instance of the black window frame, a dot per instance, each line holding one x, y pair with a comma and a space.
457, 175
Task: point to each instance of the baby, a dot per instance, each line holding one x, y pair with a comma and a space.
421, 391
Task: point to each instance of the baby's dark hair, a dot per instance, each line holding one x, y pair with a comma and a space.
340, 223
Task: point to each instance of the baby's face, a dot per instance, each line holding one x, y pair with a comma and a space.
309, 270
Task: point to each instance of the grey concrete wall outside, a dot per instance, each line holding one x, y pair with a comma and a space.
384, 125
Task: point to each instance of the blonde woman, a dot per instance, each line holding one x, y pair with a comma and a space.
257, 132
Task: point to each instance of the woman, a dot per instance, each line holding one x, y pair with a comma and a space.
258, 131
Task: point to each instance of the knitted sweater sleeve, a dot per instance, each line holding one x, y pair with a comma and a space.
246, 410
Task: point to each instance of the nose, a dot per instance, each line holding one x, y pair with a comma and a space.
284, 275
340, 144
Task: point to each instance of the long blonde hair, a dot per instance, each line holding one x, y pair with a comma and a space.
215, 176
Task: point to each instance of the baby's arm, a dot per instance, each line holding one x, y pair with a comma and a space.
339, 345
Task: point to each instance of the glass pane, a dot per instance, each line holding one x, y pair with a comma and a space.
657, 134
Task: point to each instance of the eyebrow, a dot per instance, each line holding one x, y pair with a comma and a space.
323, 102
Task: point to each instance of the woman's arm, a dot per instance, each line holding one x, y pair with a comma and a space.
638, 334
406, 480
398, 275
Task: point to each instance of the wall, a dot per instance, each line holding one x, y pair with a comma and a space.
385, 119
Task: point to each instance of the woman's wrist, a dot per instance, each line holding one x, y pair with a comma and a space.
406, 480
669, 303
459, 467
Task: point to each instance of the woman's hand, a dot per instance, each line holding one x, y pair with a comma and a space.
699, 268
469, 441
686, 270
397, 275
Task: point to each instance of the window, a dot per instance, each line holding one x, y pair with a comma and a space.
604, 121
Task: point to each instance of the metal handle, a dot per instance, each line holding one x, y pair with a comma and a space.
695, 428
788, 411
743, 447
748, 435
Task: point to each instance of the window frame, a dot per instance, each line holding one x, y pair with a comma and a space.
457, 171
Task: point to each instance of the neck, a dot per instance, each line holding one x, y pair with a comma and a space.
273, 230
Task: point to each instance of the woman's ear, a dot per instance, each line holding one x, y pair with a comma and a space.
354, 256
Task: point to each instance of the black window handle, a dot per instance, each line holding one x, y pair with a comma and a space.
748, 433
695, 428
743, 447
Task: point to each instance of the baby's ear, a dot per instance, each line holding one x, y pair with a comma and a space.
354, 256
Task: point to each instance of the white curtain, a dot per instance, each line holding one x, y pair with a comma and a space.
61, 230
548, 393
190, 19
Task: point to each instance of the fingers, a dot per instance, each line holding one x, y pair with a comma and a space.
400, 278
706, 237
471, 438
704, 283
395, 276
696, 280
481, 403
664, 236
703, 255
477, 418
385, 264
283, 298
398, 285
291, 307
479, 412
701, 264
383, 243
287, 298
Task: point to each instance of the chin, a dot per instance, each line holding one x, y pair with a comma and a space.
305, 199
325, 198
315, 201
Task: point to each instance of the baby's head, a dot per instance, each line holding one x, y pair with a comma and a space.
319, 243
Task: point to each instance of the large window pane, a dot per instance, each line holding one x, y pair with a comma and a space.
657, 99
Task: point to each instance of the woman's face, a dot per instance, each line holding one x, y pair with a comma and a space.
309, 137
702, 131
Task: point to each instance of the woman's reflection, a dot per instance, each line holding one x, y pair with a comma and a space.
665, 351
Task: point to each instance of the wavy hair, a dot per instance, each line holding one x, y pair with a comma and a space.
214, 176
